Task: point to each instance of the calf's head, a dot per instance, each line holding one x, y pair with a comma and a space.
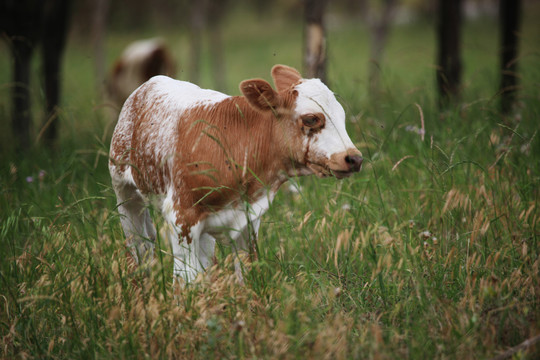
310, 122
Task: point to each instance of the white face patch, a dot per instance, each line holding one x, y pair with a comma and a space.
315, 97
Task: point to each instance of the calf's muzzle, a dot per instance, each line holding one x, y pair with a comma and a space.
346, 163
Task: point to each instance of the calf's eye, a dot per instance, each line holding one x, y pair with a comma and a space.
313, 121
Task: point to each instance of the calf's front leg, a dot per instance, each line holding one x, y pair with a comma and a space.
245, 242
193, 251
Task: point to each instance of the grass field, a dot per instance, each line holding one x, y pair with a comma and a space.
430, 252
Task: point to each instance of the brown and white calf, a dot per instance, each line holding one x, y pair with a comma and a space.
139, 62
212, 163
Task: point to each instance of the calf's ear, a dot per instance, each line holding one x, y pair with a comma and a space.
260, 95
285, 77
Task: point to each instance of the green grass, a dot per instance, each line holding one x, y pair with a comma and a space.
430, 252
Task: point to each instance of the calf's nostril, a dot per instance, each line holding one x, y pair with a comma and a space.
354, 162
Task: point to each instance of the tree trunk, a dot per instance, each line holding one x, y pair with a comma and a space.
22, 115
101, 9
21, 22
216, 14
315, 39
379, 28
53, 43
196, 26
509, 15
449, 51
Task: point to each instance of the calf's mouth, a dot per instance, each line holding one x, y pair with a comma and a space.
323, 171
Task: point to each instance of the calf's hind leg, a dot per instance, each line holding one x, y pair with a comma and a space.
136, 221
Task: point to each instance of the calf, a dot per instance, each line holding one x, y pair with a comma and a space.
212, 163
140, 61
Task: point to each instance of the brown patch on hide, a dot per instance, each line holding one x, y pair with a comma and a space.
224, 148
230, 151
185, 234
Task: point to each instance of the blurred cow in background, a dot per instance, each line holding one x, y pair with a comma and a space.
140, 61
